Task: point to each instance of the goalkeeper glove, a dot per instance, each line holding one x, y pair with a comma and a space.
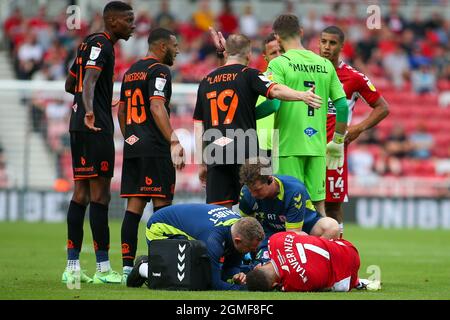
335, 152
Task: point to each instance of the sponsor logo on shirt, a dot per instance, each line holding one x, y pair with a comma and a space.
223, 141
132, 140
158, 93
160, 83
310, 131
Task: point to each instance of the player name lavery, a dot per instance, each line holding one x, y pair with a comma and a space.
308, 67
225, 77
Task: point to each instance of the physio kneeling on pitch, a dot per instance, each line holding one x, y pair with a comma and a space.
281, 203
226, 235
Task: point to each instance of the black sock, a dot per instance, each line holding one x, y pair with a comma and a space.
75, 220
129, 234
98, 217
159, 208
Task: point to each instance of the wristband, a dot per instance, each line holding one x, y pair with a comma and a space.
338, 138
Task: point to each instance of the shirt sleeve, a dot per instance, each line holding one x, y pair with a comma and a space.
275, 71
123, 99
99, 51
198, 111
216, 251
73, 68
259, 82
296, 212
336, 89
367, 90
247, 203
159, 82
230, 267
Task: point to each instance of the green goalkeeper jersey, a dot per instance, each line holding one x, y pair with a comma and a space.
302, 129
264, 128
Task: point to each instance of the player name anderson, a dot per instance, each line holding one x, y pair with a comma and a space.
317, 68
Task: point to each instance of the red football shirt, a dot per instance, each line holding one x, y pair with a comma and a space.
356, 85
309, 263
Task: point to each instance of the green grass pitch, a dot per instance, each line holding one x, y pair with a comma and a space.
414, 264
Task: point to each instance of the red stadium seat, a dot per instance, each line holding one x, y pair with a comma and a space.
418, 167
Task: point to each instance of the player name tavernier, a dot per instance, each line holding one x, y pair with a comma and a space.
317, 68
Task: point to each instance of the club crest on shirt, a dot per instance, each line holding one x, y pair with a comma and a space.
95, 52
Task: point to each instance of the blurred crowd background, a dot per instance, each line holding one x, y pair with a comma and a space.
407, 59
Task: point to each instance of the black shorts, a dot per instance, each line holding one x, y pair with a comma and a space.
148, 178
92, 154
222, 184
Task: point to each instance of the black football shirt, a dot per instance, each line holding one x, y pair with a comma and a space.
226, 101
96, 52
147, 79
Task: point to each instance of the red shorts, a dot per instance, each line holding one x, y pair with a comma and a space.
345, 268
337, 183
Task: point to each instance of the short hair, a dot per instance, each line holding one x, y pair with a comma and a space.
237, 45
258, 280
252, 171
159, 34
116, 6
286, 26
269, 38
335, 30
249, 229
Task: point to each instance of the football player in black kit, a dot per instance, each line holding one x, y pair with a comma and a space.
90, 80
225, 119
152, 150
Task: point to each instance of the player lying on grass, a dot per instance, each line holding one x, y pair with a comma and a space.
308, 263
224, 232
281, 203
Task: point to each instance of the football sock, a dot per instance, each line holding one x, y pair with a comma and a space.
341, 229
75, 220
126, 270
103, 266
129, 234
98, 217
73, 265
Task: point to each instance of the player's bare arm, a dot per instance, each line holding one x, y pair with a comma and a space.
219, 42
89, 82
379, 112
218, 39
198, 133
70, 84
161, 117
282, 92
121, 116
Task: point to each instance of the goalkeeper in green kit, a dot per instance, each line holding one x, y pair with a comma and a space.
303, 151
